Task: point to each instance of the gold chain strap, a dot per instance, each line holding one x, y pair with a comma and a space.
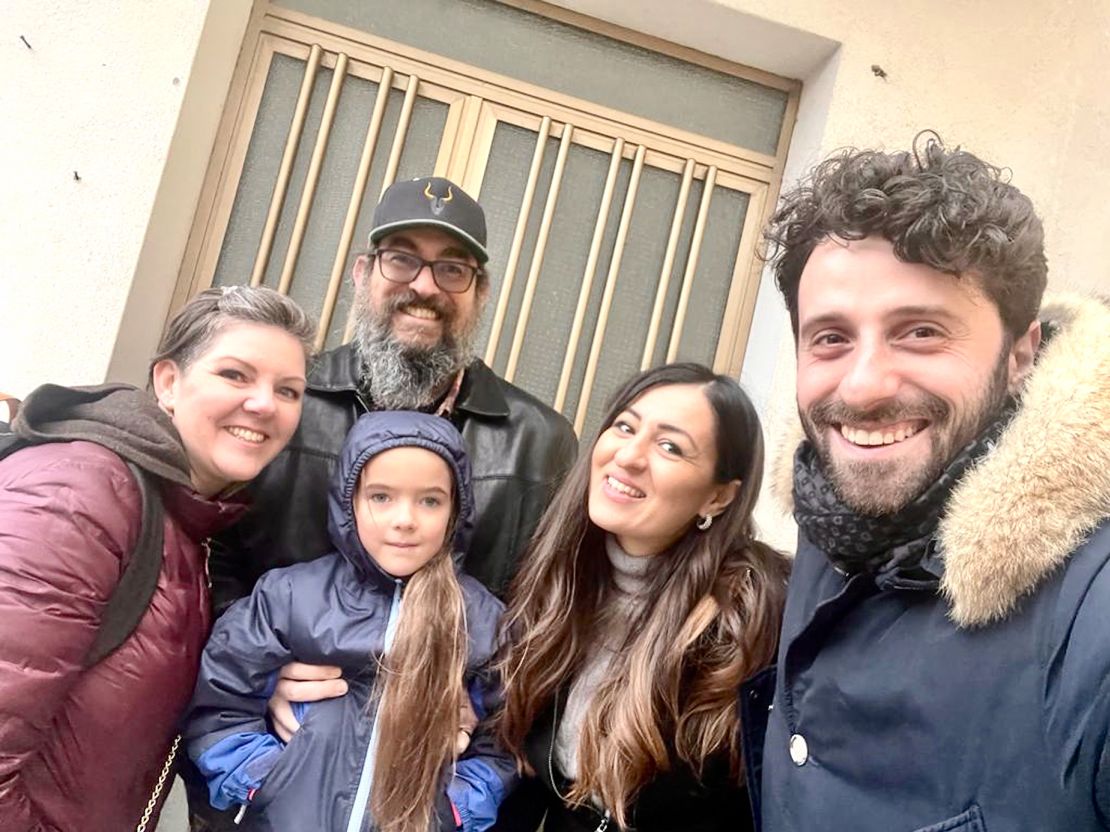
161, 784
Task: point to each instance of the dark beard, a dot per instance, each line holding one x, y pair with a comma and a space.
875, 489
398, 376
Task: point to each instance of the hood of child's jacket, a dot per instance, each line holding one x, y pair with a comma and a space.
371, 435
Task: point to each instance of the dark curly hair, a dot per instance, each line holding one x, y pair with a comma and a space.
943, 208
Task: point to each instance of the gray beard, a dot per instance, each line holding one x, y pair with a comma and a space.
401, 377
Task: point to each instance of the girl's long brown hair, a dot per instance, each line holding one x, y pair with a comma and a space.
419, 688
671, 693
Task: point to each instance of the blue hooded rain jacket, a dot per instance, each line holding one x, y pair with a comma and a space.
340, 609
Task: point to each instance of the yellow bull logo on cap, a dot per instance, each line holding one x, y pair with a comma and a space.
438, 201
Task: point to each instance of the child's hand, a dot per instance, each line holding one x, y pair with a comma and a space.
468, 720
301, 683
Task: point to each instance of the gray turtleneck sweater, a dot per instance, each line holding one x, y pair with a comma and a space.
625, 602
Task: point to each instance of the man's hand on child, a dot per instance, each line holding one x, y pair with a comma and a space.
301, 683
468, 721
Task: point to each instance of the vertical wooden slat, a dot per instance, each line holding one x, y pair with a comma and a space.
588, 275
286, 168
300, 224
395, 150
518, 239
668, 265
744, 289
402, 133
335, 281
473, 152
458, 130
538, 254
610, 287
691, 263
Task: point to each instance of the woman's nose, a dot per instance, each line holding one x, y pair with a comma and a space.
260, 401
631, 454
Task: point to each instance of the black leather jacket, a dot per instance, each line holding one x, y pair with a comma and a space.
519, 448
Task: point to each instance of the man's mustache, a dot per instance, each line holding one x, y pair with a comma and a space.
835, 412
439, 305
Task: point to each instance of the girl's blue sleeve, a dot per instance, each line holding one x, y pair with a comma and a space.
485, 773
225, 731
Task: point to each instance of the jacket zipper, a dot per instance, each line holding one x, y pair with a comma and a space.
206, 544
604, 825
366, 779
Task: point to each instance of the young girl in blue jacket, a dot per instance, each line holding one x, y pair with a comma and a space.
411, 633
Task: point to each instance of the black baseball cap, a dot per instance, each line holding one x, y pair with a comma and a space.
436, 202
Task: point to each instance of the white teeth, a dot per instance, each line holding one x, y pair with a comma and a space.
246, 434
617, 485
872, 438
421, 312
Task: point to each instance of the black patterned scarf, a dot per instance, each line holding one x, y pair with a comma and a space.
883, 545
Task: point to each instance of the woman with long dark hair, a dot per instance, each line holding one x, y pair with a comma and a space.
643, 603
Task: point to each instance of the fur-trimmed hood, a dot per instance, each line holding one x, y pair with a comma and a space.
1019, 514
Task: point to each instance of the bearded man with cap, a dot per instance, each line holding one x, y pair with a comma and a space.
419, 294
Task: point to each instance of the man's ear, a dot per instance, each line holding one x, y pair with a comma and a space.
720, 499
166, 375
364, 264
482, 288
1022, 355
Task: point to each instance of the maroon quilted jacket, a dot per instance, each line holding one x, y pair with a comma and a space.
81, 749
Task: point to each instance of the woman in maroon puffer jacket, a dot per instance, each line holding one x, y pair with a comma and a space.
84, 748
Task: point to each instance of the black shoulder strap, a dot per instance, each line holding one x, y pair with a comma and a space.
136, 586
9, 442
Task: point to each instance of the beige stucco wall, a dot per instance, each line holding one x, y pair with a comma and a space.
99, 93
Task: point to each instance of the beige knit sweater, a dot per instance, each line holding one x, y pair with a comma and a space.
626, 600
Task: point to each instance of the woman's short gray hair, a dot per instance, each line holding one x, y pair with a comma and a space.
200, 320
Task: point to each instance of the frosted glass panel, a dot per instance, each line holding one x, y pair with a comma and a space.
333, 193
333, 188
422, 141
560, 280
713, 277
260, 171
637, 283
337, 178
546, 347
560, 57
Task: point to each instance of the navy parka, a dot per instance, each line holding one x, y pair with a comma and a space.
973, 693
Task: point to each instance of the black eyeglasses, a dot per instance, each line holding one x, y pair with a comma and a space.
399, 266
